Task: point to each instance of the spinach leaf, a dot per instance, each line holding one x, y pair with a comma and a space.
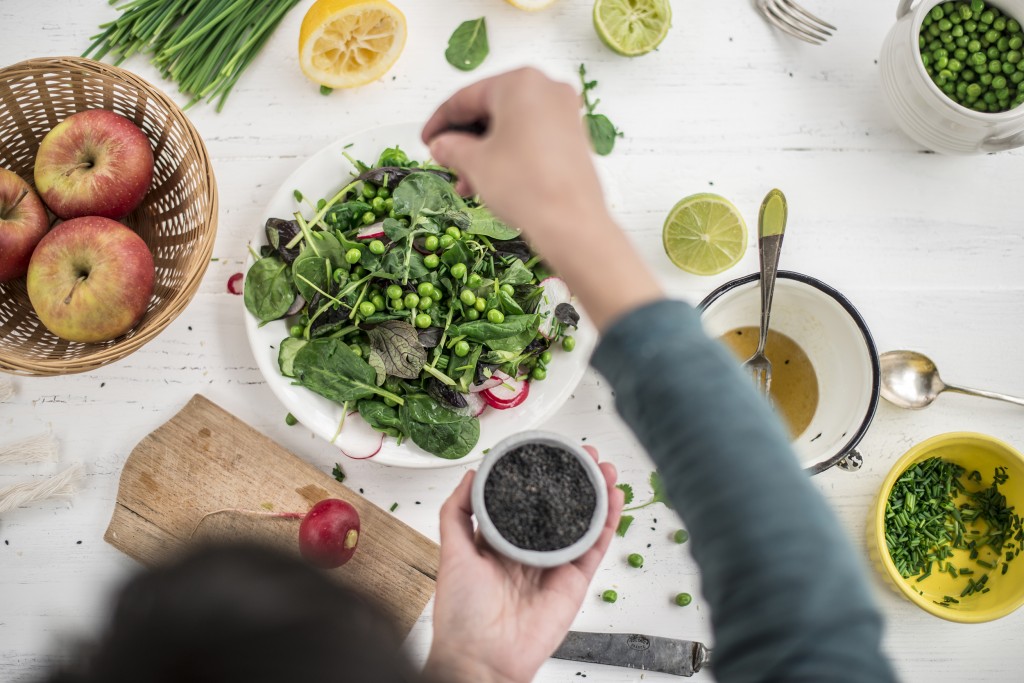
269, 291
309, 273
508, 305
457, 253
528, 297
512, 336
399, 347
603, 132
438, 430
483, 222
467, 48
347, 215
423, 195
394, 264
279, 234
391, 176
286, 355
517, 274
330, 368
381, 417
395, 231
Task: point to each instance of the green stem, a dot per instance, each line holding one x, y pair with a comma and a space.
440, 376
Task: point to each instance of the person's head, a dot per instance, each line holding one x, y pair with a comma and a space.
240, 614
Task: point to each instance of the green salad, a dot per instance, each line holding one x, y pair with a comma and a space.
409, 304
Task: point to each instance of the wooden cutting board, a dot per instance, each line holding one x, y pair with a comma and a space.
205, 459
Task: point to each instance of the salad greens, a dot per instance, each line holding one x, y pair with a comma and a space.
468, 48
409, 304
602, 131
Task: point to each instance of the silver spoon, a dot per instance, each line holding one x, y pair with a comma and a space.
911, 380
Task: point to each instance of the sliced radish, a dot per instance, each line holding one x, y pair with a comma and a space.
371, 232
488, 383
475, 404
235, 284
508, 394
358, 440
296, 306
555, 292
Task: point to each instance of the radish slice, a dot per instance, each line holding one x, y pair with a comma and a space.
508, 394
358, 440
475, 404
488, 383
555, 292
296, 306
371, 232
235, 284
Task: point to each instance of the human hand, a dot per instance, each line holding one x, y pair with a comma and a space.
495, 620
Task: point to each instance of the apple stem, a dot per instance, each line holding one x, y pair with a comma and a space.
78, 167
7, 213
79, 281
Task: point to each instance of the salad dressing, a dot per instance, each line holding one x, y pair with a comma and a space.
794, 388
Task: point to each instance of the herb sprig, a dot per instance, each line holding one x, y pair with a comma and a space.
602, 131
658, 495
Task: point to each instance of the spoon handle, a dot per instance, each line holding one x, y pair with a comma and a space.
771, 230
986, 394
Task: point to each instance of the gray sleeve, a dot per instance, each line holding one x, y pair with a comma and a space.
788, 597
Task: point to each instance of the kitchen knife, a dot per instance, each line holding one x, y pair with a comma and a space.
635, 651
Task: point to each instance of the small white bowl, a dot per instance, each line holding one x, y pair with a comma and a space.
540, 558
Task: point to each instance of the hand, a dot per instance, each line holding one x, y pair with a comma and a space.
533, 169
495, 620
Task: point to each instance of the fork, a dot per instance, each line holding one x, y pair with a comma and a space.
796, 21
771, 225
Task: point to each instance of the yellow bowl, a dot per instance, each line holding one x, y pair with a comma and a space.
972, 452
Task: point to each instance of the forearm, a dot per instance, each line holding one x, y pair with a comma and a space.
788, 599
444, 667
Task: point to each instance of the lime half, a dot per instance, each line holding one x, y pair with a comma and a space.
632, 27
704, 234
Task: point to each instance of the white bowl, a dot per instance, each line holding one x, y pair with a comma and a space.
538, 558
836, 340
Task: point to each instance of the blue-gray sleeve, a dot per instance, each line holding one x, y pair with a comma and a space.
788, 597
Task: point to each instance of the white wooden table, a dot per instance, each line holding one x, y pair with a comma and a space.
930, 248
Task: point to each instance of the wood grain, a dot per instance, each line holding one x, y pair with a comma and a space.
205, 460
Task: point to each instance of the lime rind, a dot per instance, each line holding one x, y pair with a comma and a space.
632, 27
704, 235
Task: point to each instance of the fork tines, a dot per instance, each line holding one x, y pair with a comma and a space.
796, 21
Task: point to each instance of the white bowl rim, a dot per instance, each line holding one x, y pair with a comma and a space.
876, 373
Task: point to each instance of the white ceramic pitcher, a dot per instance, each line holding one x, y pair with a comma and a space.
926, 113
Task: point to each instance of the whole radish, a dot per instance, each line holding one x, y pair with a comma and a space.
329, 533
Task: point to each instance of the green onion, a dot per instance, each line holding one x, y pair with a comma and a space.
202, 45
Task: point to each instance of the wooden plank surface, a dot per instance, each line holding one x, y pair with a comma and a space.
204, 460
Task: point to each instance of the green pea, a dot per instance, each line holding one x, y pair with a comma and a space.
431, 243
377, 247
290, 420
296, 331
356, 349
467, 297
941, 62
391, 403
378, 302
458, 271
495, 316
426, 302
453, 232
1013, 57
945, 24
569, 343
987, 17
378, 205
431, 261
472, 314
684, 599
999, 24
366, 309
446, 241
635, 560
394, 292
339, 276
609, 596
508, 289
423, 321
1013, 26
998, 83
461, 349
383, 193
353, 255
955, 65
681, 536
389, 206
1016, 43
545, 357
425, 289
358, 272
538, 373
960, 54
974, 90
474, 280
936, 13
480, 305
369, 191
397, 305
412, 300
974, 46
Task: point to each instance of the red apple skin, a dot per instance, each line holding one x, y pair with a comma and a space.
94, 163
21, 226
90, 279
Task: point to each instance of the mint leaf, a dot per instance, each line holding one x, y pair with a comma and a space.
467, 48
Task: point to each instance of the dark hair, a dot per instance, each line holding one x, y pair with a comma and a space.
240, 613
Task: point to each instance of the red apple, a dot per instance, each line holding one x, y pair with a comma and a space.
90, 279
94, 163
23, 222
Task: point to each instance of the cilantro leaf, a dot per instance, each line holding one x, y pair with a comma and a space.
338, 473
628, 491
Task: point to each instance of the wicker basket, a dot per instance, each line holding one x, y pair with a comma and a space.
178, 218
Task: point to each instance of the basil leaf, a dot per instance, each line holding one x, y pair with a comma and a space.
269, 291
330, 368
286, 355
399, 347
467, 48
602, 133
483, 222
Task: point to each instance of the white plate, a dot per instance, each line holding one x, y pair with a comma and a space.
322, 176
